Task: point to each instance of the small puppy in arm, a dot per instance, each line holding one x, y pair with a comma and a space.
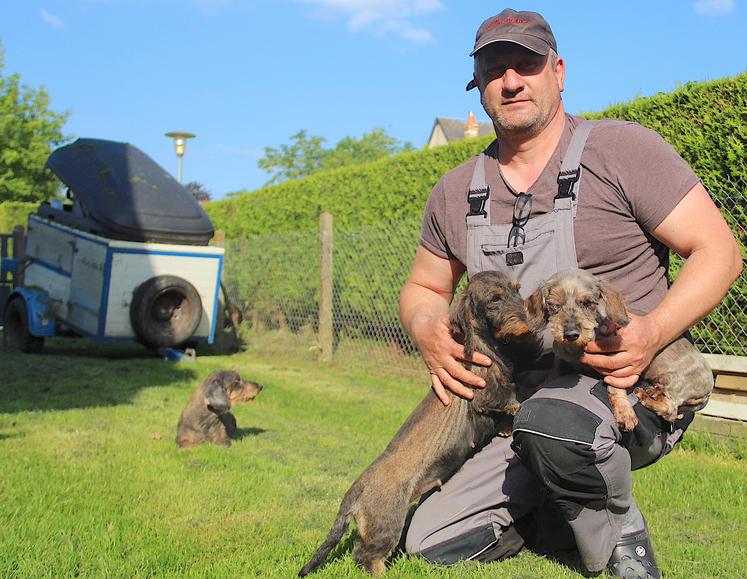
575, 305
207, 416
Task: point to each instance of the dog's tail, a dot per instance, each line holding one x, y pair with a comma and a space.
338, 530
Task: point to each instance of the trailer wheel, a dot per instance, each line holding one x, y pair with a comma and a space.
16, 335
165, 311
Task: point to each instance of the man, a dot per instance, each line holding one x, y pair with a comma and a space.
564, 479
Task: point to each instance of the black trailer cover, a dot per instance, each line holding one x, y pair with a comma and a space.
121, 193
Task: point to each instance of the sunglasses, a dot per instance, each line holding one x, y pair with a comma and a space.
522, 209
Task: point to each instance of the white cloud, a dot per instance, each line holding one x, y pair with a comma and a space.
54, 21
713, 7
380, 17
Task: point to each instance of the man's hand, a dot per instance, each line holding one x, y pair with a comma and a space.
623, 356
442, 355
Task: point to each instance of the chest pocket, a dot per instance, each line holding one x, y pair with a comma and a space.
529, 263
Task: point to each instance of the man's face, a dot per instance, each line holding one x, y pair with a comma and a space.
519, 89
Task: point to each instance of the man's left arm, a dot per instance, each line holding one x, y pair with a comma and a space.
695, 230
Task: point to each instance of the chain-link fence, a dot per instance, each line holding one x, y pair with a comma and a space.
724, 331
275, 281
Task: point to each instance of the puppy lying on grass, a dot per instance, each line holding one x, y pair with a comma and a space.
574, 304
207, 416
436, 440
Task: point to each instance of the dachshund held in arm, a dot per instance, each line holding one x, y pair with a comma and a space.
207, 416
575, 305
436, 440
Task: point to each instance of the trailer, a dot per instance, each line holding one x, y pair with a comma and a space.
124, 259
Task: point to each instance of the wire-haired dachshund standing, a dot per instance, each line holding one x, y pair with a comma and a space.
575, 304
436, 440
207, 416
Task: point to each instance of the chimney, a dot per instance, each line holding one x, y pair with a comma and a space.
471, 129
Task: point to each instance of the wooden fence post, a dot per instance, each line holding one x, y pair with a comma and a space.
326, 338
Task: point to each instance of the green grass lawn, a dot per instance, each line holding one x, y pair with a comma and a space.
92, 483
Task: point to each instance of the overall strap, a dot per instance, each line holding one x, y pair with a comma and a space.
569, 178
479, 195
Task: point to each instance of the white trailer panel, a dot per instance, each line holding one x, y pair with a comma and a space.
92, 279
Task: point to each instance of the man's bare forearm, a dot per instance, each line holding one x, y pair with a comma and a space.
417, 301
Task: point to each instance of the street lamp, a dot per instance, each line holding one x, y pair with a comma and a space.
180, 144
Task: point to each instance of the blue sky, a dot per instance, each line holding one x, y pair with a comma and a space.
246, 74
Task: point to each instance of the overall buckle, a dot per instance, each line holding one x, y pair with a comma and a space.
477, 199
566, 181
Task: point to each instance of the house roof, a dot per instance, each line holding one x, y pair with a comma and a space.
453, 129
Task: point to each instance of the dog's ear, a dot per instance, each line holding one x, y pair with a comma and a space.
461, 321
614, 305
535, 307
231, 381
215, 394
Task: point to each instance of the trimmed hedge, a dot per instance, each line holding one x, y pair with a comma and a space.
14, 213
386, 191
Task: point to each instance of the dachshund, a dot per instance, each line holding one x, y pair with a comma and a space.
576, 305
436, 440
207, 416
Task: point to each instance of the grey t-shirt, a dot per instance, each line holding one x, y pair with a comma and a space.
631, 180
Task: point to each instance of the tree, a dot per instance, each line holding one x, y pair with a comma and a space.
301, 158
29, 131
198, 191
306, 154
371, 146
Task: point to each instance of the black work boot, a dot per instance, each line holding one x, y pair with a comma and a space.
633, 557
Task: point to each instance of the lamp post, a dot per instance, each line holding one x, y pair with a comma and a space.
180, 144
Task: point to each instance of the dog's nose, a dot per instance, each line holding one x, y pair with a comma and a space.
571, 333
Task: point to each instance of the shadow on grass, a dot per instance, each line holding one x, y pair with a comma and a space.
14, 435
78, 373
246, 433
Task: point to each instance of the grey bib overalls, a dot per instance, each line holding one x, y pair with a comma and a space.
549, 246
564, 435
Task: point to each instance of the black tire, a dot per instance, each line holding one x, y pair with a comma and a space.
16, 335
165, 311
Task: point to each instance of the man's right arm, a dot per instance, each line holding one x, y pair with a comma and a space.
424, 312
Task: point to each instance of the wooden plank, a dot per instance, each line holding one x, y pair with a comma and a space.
719, 426
733, 382
721, 363
723, 409
730, 396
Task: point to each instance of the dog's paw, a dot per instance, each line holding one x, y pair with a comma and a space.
626, 419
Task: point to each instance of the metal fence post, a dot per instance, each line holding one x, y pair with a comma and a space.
326, 340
